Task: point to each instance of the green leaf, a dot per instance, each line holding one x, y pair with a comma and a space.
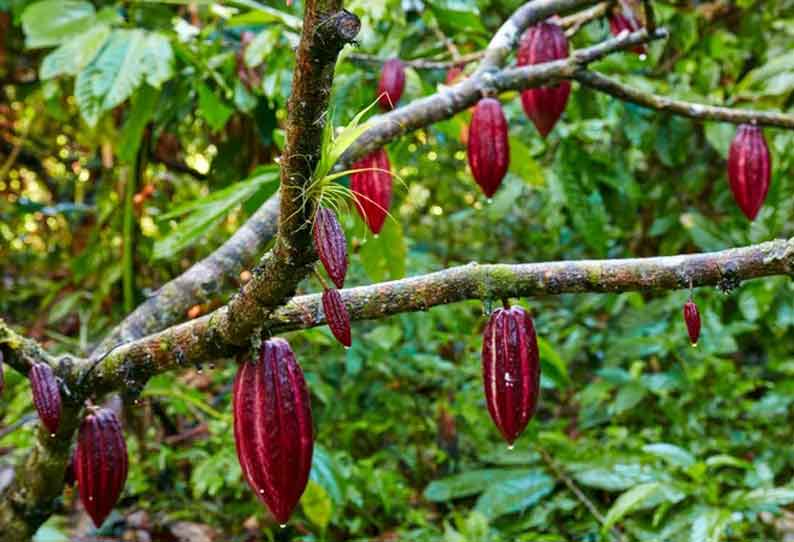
514, 495
317, 504
469, 483
523, 165
52, 22
326, 473
768, 496
383, 256
630, 500
212, 108
671, 453
587, 211
709, 526
261, 46
143, 107
334, 147
552, 364
615, 478
75, 54
457, 16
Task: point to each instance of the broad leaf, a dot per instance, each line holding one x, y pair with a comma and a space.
75, 54
51, 22
630, 500
709, 526
469, 483
383, 256
672, 454
514, 495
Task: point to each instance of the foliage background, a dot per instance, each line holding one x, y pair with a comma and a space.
668, 442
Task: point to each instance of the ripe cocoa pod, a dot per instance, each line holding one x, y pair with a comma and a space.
488, 147
273, 427
337, 316
511, 370
692, 320
331, 245
372, 188
453, 74
392, 84
541, 43
100, 463
46, 395
619, 22
749, 169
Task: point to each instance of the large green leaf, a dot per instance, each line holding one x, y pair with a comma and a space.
671, 453
143, 106
514, 495
75, 54
469, 483
630, 500
383, 255
709, 526
52, 22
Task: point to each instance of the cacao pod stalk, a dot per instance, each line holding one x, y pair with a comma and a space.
337, 316
541, 43
273, 427
100, 463
488, 147
511, 370
331, 245
46, 395
749, 169
372, 188
692, 320
391, 84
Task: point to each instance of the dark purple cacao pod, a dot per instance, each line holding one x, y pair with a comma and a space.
273, 427
337, 316
331, 245
692, 320
511, 370
392, 84
488, 147
541, 43
749, 169
100, 463
46, 395
618, 22
372, 188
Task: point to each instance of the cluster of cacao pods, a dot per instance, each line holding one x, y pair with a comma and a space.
749, 169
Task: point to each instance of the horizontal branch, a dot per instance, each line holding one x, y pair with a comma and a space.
418, 64
680, 107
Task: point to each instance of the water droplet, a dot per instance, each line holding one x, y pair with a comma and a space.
376, 236
510, 447
52, 435
90, 498
694, 345
200, 371
346, 347
261, 491
643, 57
489, 201
282, 525
136, 402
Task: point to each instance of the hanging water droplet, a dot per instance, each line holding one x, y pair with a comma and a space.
489, 201
52, 435
282, 525
90, 498
346, 347
376, 236
643, 57
510, 447
262, 491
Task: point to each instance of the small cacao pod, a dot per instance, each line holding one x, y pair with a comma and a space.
619, 22
749, 169
331, 245
392, 84
453, 75
488, 147
337, 316
692, 321
100, 463
372, 188
544, 42
46, 395
273, 427
511, 370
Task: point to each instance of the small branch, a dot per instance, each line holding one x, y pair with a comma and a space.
572, 23
680, 107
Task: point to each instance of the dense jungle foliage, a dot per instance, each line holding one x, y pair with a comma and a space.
135, 137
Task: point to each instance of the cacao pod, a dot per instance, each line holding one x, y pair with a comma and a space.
273, 427
544, 42
46, 395
331, 245
453, 74
749, 169
100, 463
392, 84
337, 316
372, 188
511, 370
692, 320
488, 148
618, 23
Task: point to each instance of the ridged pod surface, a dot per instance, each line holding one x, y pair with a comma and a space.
372, 188
511, 370
273, 427
541, 43
692, 321
331, 245
749, 169
46, 395
100, 463
337, 316
488, 147
391, 84
619, 22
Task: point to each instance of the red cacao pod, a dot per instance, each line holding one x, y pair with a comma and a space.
544, 42
331, 245
392, 84
488, 147
511, 370
337, 316
453, 74
70, 475
618, 22
46, 395
749, 169
372, 188
692, 320
273, 427
100, 463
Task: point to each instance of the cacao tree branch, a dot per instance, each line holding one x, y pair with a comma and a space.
682, 108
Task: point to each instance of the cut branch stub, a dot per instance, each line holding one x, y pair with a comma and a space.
331, 245
488, 147
100, 463
542, 43
749, 169
372, 188
46, 395
510, 370
273, 427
